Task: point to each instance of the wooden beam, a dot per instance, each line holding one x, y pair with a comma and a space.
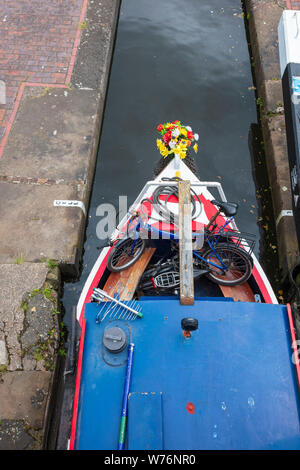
185, 244
241, 292
125, 282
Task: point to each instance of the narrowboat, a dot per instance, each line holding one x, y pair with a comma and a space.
183, 344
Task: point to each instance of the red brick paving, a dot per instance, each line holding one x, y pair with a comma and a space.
38, 41
293, 4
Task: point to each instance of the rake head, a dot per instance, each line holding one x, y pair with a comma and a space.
113, 308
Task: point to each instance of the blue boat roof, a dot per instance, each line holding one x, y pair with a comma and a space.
232, 385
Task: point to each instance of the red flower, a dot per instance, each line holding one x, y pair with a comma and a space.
190, 135
160, 127
167, 137
175, 122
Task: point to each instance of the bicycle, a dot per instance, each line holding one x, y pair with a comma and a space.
224, 255
163, 276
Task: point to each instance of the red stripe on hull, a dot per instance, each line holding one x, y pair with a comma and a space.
94, 283
77, 387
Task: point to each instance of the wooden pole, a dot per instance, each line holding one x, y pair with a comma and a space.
185, 244
124, 283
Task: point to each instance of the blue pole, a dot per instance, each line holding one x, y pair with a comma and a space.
125, 398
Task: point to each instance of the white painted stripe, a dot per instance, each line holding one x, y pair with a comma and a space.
284, 213
69, 203
289, 38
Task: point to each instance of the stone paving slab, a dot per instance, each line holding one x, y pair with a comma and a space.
52, 135
41, 230
52, 144
278, 165
101, 22
272, 97
16, 281
24, 397
24, 386
265, 16
14, 436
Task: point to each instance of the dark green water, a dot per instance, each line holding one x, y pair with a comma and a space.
176, 60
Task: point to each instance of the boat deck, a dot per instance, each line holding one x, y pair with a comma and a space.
232, 385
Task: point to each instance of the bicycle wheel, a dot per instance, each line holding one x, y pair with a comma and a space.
238, 265
125, 253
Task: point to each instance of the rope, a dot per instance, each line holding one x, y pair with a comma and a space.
161, 206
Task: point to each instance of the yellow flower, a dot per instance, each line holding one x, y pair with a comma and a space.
195, 148
164, 152
183, 131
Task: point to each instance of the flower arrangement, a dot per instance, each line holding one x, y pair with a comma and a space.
176, 139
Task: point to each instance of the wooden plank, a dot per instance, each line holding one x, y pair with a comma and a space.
125, 282
185, 244
242, 292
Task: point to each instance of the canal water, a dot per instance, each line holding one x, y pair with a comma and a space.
177, 60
